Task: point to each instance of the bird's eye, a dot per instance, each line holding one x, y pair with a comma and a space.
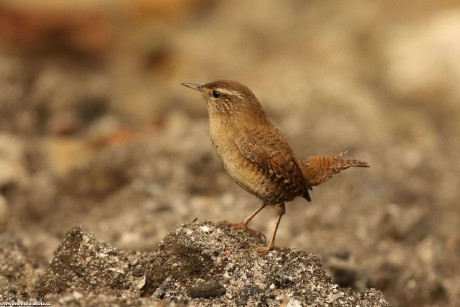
215, 94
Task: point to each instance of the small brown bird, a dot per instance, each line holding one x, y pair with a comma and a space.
255, 153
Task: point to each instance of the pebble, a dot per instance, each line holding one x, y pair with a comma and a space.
207, 290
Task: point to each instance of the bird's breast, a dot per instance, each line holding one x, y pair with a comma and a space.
241, 170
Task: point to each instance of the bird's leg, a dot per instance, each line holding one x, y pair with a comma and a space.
244, 224
280, 210
252, 215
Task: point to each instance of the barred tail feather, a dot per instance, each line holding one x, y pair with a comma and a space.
318, 169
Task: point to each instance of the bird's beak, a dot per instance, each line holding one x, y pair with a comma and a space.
193, 86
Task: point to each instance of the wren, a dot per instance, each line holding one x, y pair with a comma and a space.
255, 153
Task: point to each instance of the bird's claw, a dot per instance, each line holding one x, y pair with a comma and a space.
245, 227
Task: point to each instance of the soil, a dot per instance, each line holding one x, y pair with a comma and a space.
198, 264
96, 131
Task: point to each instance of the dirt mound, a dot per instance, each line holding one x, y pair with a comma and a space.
198, 263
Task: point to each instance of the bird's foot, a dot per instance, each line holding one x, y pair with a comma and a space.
245, 227
263, 250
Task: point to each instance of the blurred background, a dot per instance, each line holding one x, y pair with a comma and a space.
96, 130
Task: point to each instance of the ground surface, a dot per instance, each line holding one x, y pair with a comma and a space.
95, 130
198, 264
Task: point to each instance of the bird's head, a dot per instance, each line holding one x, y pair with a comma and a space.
228, 98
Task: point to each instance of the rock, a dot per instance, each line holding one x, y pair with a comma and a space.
198, 263
17, 273
88, 265
207, 290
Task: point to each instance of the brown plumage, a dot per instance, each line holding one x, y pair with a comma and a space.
256, 154
318, 169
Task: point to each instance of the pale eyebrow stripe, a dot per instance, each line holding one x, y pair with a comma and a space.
230, 92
